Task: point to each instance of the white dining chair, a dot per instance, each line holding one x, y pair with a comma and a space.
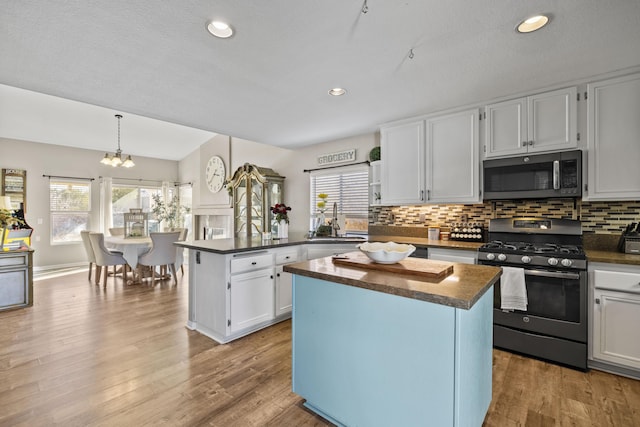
86, 242
162, 253
105, 258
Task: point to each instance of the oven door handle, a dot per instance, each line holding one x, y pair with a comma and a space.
552, 274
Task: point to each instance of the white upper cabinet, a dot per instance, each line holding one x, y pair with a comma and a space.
435, 160
614, 139
402, 168
452, 158
542, 122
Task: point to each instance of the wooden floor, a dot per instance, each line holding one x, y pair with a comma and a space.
121, 356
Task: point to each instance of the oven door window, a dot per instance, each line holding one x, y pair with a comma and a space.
550, 297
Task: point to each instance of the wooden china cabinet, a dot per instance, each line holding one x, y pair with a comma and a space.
255, 189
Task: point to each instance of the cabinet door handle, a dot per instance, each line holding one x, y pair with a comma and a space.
254, 263
197, 257
278, 274
531, 143
422, 195
271, 276
597, 300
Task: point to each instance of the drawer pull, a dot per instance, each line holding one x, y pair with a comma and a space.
253, 263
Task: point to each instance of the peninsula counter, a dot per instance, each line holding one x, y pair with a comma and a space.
372, 348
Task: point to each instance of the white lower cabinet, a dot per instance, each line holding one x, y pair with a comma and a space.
283, 280
615, 317
452, 255
251, 299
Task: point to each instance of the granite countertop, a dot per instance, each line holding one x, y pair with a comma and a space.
612, 257
461, 289
422, 241
236, 245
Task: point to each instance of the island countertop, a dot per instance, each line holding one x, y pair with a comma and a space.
462, 289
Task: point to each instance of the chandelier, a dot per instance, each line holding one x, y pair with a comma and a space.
116, 159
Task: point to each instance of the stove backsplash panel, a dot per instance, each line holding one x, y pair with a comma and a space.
596, 217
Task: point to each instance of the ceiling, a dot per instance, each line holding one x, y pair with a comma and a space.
268, 83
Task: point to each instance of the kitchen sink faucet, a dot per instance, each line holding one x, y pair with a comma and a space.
334, 221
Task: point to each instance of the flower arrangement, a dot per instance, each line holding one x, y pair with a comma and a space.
280, 211
322, 204
171, 212
7, 219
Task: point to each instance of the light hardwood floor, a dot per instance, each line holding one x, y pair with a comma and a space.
121, 356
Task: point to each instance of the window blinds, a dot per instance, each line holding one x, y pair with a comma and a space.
349, 189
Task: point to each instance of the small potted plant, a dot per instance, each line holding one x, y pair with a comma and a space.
172, 212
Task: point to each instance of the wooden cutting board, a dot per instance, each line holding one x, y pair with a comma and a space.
413, 266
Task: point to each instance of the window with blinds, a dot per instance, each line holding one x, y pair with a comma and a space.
349, 188
69, 205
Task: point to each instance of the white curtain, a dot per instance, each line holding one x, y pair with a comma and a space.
106, 215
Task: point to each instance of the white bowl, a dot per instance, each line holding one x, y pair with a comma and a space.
386, 253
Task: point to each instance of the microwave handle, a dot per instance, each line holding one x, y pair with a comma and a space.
556, 174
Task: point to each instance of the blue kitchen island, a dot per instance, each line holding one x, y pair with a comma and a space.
373, 348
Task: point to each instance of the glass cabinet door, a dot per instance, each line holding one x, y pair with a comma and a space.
240, 206
257, 209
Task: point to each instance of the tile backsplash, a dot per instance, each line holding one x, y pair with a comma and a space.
596, 217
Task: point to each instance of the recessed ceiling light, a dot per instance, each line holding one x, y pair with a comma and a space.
531, 24
337, 91
220, 29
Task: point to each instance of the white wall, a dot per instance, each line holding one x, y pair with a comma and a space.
46, 159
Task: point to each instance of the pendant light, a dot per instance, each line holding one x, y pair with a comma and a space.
116, 159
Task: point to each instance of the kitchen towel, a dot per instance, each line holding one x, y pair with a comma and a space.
513, 291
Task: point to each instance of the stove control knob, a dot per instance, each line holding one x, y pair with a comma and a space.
491, 257
526, 259
566, 262
502, 257
552, 261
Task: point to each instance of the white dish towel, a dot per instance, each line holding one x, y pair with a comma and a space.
513, 291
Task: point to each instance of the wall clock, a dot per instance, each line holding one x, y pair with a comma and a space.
215, 174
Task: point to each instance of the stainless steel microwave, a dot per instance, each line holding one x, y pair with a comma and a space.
537, 176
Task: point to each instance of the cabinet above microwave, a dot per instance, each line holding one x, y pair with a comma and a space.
540, 176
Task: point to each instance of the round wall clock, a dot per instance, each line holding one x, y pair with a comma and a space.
215, 174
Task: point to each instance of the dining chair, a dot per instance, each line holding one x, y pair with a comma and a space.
162, 253
86, 242
105, 258
116, 231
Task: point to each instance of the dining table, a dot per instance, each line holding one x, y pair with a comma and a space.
131, 247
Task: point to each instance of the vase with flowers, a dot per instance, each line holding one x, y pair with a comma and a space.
321, 229
172, 212
281, 215
8, 221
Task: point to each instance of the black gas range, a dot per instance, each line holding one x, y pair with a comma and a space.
550, 253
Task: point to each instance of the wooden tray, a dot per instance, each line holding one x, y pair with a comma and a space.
413, 266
